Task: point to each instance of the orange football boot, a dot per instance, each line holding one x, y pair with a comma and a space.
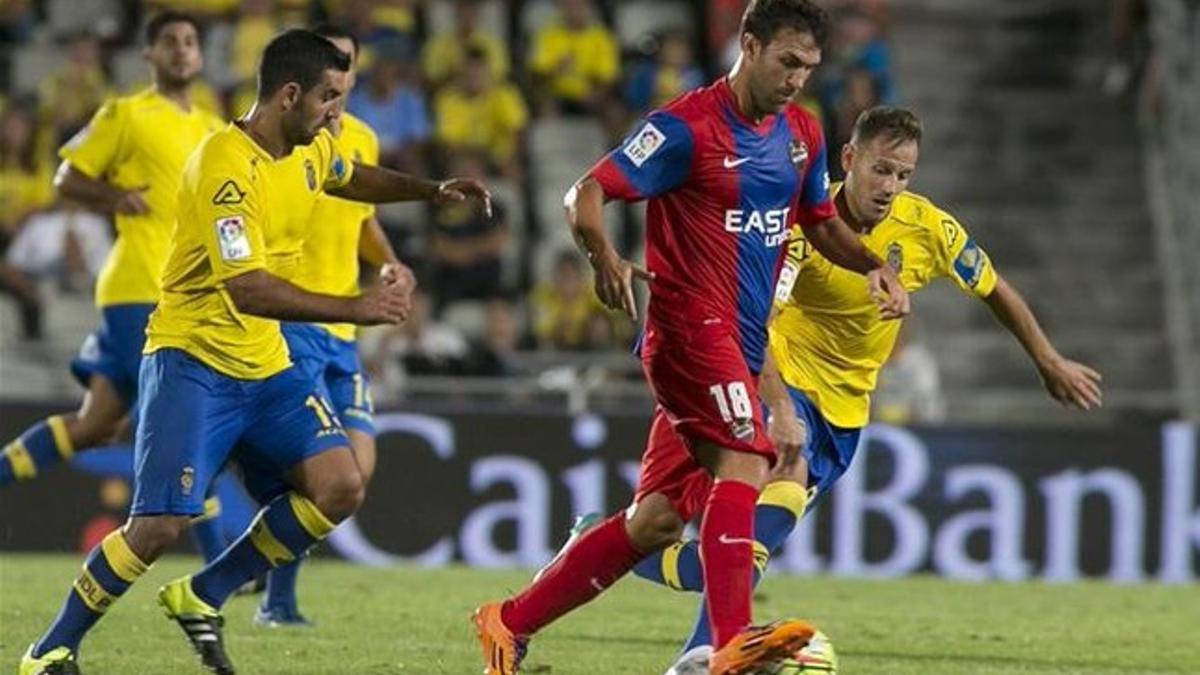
502, 651
758, 646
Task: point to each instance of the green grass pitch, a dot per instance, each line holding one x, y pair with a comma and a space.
414, 621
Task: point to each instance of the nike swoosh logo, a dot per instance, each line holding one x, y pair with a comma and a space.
726, 539
731, 163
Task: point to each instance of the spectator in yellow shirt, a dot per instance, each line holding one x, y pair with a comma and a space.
566, 311
70, 96
25, 188
476, 113
445, 52
577, 58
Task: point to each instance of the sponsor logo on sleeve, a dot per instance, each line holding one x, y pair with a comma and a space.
644, 144
229, 194
232, 239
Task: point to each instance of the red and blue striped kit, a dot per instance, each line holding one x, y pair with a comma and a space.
723, 191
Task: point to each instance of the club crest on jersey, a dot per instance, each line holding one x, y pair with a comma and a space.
643, 144
895, 257
798, 150
310, 174
742, 429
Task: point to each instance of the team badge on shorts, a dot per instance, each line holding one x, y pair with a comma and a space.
742, 429
187, 479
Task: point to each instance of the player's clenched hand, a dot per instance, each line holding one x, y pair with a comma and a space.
1072, 384
786, 431
385, 301
614, 282
888, 292
461, 189
132, 202
400, 274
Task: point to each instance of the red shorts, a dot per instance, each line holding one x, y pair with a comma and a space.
705, 392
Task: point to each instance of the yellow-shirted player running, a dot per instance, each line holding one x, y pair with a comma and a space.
339, 232
216, 374
128, 162
827, 342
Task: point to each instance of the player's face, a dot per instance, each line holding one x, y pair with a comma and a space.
316, 109
175, 55
779, 69
877, 171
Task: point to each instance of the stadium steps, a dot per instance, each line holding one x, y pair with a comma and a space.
1046, 174
38, 370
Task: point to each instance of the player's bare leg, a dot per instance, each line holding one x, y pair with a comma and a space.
279, 607
58, 438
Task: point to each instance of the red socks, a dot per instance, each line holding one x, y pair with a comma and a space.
594, 562
727, 550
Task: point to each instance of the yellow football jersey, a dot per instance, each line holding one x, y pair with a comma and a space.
134, 141
329, 256
828, 339
230, 223
297, 181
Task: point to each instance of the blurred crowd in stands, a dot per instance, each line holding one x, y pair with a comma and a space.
452, 87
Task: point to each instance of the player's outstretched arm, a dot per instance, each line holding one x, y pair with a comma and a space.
98, 195
377, 185
838, 243
584, 204
1068, 382
261, 293
785, 428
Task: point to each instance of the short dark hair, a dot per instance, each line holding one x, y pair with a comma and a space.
332, 31
299, 56
896, 124
156, 24
764, 18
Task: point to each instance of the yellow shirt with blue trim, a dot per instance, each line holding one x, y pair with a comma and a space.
828, 340
139, 140
329, 256
230, 222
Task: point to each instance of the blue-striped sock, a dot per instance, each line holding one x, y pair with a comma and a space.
281, 587
110, 569
41, 446
207, 531
780, 507
284, 530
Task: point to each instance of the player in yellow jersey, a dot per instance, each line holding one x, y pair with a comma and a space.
216, 372
828, 342
127, 162
339, 232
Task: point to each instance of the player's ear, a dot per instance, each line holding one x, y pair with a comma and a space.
750, 46
290, 94
847, 157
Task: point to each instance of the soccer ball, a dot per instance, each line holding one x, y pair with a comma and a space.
817, 656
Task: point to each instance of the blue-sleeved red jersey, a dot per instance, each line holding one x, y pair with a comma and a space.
722, 193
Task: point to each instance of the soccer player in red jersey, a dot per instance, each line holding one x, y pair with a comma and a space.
726, 170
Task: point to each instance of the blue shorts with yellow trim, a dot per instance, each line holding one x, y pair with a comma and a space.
192, 417
829, 449
114, 350
335, 365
